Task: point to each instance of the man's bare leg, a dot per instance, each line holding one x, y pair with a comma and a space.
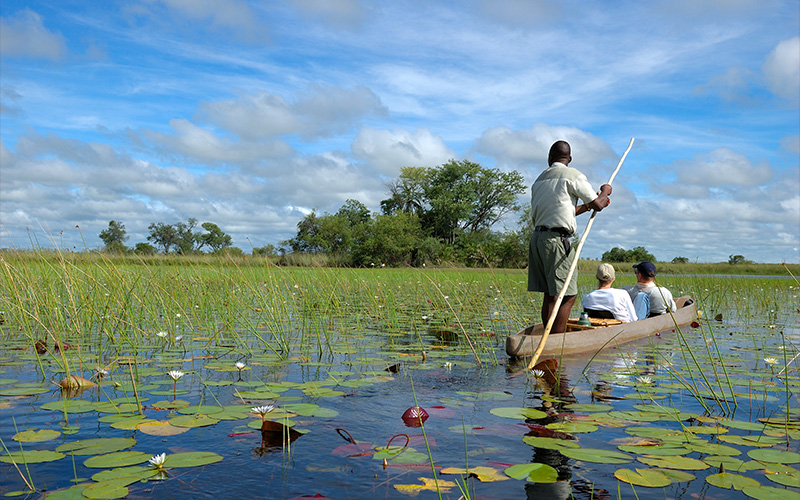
560, 325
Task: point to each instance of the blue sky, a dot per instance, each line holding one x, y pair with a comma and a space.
249, 114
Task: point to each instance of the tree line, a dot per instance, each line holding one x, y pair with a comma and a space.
435, 215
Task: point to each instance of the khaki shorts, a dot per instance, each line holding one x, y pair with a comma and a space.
548, 265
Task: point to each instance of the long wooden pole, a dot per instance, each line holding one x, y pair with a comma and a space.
574, 265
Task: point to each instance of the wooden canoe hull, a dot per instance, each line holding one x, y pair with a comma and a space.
526, 341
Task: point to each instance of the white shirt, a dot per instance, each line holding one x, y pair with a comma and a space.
614, 300
555, 194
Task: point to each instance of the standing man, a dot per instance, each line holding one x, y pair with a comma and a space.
554, 205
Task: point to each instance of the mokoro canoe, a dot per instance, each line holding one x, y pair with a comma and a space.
602, 333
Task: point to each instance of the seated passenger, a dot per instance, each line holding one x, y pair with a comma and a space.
607, 302
649, 299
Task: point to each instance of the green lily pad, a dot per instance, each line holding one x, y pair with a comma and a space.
677, 476
191, 459
117, 459
133, 471
753, 441
34, 436
732, 464
661, 450
518, 413
96, 446
680, 463
69, 406
774, 456
636, 416
643, 477
171, 405
200, 410
730, 480
573, 427
32, 457
589, 407
792, 479
193, 421
109, 489
597, 455
24, 391
713, 449
745, 426
770, 493
533, 472
549, 443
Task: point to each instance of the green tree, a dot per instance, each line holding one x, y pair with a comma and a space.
680, 260
389, 239
163, 235
214, 237
737, 259
266, 251
145, 249
638, 254
114, 237
188, 242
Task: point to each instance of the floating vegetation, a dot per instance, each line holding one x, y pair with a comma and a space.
117, 379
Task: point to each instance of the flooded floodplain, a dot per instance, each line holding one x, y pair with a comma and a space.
227, 381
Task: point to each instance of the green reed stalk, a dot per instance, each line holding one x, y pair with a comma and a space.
425, 437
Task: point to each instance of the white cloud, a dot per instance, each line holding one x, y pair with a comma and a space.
791, 143
722, 167
782, 70
25, 35
389, 151
200, 145
530, 147
320, 111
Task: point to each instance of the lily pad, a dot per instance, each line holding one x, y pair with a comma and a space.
643, 477
109, 489
69, 406
518, 413
34, 436
770, 493
679, 463
32, 457
200, 410
132, 471
597, 455
161, 428
792, 479
589, 407
549, 443
117, 459
191, 459
193, 421
533, 472
96, 446
572, 427
774, 456
729, 480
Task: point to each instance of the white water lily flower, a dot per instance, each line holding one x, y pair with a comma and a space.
161, 334
448, 365
770, 361
175, 374
178, 338
537, 373
158, 460
262, 410
644, 380
239, 365
101, 371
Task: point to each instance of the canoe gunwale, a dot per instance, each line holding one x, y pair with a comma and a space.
525, 342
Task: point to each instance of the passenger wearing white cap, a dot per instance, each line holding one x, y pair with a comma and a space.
607, 302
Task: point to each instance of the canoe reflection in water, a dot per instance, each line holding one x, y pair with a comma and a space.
556, 386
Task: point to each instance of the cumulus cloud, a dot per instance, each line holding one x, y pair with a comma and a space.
320, 111
722, 167
530, 147
782, 70
24, 35
337, 13
200, 145
388, 151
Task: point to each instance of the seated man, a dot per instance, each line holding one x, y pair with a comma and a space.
607, 302
649, 299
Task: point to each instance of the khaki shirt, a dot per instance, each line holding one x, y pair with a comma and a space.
555, 194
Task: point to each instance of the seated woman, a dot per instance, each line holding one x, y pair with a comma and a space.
607, 302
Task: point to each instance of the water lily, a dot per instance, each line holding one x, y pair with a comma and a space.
537, 373
178, 338
448, 365
158, 460
262, 410
161, 334
101, 372
239, 365
175, 374
770, 361
644, 379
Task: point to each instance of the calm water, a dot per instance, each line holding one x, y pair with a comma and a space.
461, 429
